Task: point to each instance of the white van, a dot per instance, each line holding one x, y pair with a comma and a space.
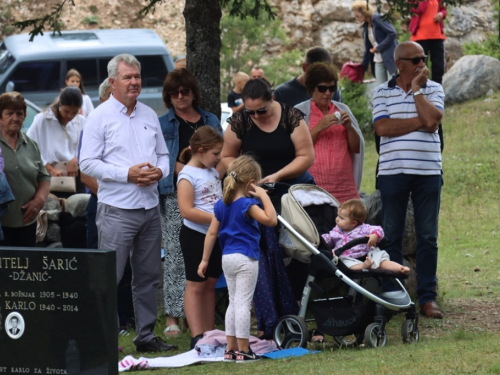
38, 69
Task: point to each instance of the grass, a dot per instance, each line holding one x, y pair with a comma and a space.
468, 240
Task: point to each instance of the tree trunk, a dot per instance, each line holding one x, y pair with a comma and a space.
203, 47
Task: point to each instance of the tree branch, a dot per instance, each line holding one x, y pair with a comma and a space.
51, 19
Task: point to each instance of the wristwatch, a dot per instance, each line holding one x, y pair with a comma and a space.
418, 92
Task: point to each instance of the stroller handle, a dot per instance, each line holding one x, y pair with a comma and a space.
357, 241
273, 185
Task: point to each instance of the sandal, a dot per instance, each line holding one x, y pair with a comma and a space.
172, 331
317, 337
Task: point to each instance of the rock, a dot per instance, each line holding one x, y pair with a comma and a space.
477, 269
53, 233
471, 77
52, 203
76, 204
53, 215
374, 207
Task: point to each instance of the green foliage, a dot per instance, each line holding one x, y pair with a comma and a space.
355, 96
91, 20
489, 47
5, 16
243, 42
245, 8
93, 9
402, 8
51, 19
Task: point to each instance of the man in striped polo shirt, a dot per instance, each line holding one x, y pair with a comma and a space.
406, 112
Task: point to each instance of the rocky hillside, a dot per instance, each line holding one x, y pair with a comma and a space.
328, 23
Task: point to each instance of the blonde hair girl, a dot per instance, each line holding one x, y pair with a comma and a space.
235, 223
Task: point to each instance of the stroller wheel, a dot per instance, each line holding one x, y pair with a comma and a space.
291, 332
349, 341
371, 336
409, 331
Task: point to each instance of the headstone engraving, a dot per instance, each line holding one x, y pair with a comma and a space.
58, 311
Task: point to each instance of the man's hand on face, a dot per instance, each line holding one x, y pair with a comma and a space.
422, 74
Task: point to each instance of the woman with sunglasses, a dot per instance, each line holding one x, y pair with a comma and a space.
338, 141
181, 95
278, 138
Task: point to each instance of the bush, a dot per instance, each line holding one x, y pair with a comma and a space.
355, 96
488, 48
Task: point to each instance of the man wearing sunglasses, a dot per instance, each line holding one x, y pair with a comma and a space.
294, 91
406, 112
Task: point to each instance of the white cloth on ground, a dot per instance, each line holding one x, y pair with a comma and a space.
129, 363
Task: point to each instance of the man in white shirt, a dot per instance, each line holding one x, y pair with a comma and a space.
406, 112
124, 149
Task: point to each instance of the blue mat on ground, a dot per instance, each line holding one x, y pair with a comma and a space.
287, 353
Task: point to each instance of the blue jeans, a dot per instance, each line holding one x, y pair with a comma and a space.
425, 192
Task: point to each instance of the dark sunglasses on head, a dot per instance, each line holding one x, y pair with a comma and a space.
183, 92
415, 60
261, 111
323, 88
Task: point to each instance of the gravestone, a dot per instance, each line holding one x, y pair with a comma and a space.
58, 311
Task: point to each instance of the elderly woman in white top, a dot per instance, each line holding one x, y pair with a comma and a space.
57, 132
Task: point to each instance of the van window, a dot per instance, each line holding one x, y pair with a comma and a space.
153, 71
88, 70
36, 76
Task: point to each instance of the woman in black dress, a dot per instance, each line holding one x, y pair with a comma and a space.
279, 139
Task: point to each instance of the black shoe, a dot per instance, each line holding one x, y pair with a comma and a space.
246, 357
155, 345
194, 340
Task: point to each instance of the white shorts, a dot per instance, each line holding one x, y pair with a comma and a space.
376, 255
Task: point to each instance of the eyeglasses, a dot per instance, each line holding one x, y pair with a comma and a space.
322, 88
183, 92
261, 111
415, 60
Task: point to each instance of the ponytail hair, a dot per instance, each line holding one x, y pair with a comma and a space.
240, 172
205, 138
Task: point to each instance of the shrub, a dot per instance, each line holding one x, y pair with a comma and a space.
488, 48
355, 96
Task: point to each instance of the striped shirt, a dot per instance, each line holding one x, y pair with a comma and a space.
418, 152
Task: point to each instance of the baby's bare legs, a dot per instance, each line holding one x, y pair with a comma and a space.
361, 266
393, 266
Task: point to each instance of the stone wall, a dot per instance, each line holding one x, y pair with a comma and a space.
330, 24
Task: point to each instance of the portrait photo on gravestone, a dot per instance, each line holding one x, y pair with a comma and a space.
62, 304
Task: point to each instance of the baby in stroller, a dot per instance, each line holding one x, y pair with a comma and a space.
350, 225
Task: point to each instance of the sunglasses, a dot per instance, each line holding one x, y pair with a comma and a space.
322, 88
261, 111
415, 60
183, 92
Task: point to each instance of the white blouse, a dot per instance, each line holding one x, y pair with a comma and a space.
87, 106
57, 143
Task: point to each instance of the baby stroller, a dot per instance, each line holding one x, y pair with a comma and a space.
362, 311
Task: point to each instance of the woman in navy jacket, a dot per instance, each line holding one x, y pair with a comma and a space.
181, 95
380, 40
